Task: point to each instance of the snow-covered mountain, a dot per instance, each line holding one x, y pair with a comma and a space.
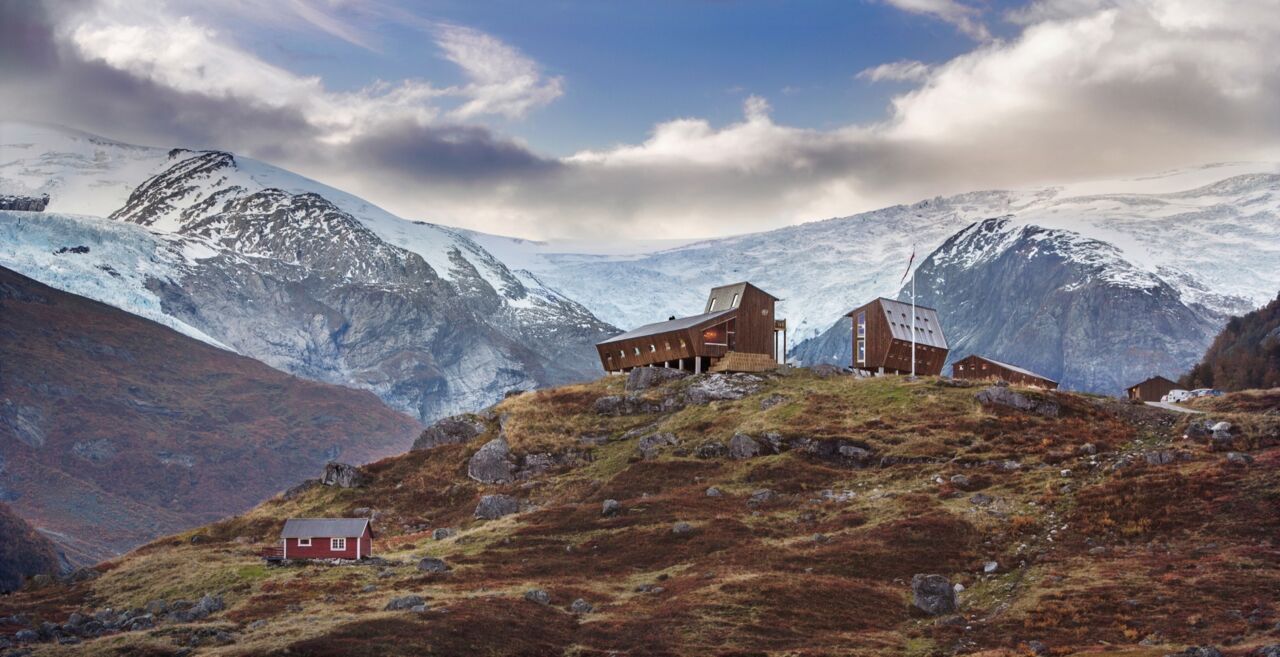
289, 271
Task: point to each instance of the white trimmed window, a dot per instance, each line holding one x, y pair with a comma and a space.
337, 544
304, 542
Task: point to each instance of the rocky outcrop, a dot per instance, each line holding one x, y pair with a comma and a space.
492, 507
452, 430
1005, 397
643, 378
24, 203
342, 475
24, 552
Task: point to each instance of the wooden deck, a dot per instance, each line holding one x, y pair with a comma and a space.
737, 361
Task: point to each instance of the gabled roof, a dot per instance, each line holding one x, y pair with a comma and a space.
1149, 380
729, 296
1015, 368
670, 325
324, 527
928, 326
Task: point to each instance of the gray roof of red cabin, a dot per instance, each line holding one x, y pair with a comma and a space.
324, 527
1012, 367
668, 326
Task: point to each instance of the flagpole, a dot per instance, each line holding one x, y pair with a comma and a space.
913, 320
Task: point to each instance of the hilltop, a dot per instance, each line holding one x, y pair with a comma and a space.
779, 514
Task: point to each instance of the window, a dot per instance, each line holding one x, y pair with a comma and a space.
667, 344
337, 544
862, 325
304, 542
682, 343
734, 304
637, 351
862, 351
652, 348
712, 307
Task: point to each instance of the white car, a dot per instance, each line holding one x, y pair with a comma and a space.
1177, 395
1206, 392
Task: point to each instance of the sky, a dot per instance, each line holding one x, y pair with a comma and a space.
604, 120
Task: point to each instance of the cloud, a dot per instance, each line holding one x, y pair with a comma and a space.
1085, 89
906, 70
962, 16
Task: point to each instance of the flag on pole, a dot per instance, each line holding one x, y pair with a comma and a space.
910, 262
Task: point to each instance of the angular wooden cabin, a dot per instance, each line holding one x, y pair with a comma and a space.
737, 331
981, 368
1152, 389
882, 338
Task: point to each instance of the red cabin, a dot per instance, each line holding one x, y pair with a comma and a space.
327, 538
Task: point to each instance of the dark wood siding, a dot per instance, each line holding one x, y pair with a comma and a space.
977, 368
320, 548
1152, 389
891, 354
754, 330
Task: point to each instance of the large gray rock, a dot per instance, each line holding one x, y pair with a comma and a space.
635, 405
610, 508
492, 507
933, 594
342, 475
404, 603
538, 596
450, 431
433, 565
742, 446
720, 386
643, 378
649, 446
1009, 398
492, 463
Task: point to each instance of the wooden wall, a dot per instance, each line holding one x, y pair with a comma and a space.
891, 354
1152, 389
977, 368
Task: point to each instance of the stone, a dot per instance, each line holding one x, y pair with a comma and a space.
711, 450
681, 528
1037, 648
1272, 650
453, 430
441, 533
1008, 398
610, 508
722, 386
403, 603
742, 446
538, 596
433, 565
980, 499
1160, 457
581, 606
643, 378
650, 445
714, 492
26, 636
772, 401
1198, 651
960, 481
341, 475
492, 507
492, 463
821, 538
1087, 449
616, 405
933, 594
1238, 459
761, 497
157, 606
990, 567
256, 625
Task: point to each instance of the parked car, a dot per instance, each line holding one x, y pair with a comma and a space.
1176, 395
1206, 392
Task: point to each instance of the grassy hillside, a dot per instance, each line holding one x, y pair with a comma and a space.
1110, 533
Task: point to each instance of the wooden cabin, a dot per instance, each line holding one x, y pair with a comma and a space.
981, 368
882, 338
327, 538
736, 331
1152, 389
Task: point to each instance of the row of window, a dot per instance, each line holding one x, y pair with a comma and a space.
335, 544
653, 348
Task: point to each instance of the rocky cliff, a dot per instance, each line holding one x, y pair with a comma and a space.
24, 552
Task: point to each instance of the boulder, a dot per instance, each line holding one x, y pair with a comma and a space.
492, 463
650, 445
824, 370
1272, 650
538, 596
1008, 398
450, 431
1160, 457
433, 565
933, 594
610, 508
681, 528
1238, 459
711, 450
492, 507
714, 492
634, 405
26, 636
761, 497
721, 386
404, 603
1198, 651
980, 499
441, 533
581, 606
771, 401
643, 378
1087, 449
742, 446
341, 475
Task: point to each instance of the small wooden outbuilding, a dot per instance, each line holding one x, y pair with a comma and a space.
1152, 389
737, 330
327, 538
980, 368
882, 338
